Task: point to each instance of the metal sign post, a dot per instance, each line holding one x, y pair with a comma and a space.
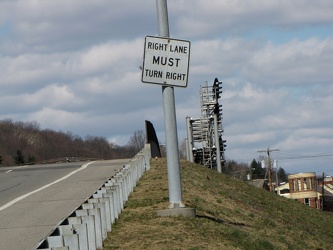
176, 204
174, 179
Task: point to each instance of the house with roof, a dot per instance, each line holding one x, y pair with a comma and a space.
309, 189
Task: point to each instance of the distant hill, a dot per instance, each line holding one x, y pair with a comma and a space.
27, 143
231, 214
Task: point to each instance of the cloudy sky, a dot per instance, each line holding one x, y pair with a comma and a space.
73, 65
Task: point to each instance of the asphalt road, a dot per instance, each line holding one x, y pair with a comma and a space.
34, 199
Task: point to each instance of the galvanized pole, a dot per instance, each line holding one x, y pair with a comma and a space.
189, 144
171, 137
187, 150
217, 145
323, 193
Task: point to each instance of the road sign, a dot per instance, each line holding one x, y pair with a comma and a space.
166, 61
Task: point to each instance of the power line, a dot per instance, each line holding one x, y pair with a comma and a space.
303, 157
292, 156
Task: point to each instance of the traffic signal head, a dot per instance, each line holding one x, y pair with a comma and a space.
217, 89
218, 110
222, 144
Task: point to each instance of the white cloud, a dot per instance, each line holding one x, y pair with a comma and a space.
74, 66
220, 18
225, 57
294, 63
67, 25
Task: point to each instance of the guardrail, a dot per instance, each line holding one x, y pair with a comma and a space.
87, 226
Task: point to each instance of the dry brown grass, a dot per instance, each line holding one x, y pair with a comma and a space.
230, 215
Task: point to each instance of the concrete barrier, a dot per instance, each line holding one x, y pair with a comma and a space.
87, 226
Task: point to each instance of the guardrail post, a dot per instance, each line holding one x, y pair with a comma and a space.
96, 213
90, 221
101, 207
55, 241
71, 240
81, 229
113, 196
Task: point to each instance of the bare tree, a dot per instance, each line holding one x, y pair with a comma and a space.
27, 142
182, 149
137, 141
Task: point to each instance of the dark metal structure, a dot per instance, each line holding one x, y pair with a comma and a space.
152, 139
204, 135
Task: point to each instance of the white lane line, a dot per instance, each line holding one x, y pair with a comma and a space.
15, 168
46, 186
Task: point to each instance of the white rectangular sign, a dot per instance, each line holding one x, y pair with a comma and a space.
166, 61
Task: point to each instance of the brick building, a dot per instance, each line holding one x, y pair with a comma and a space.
303, 188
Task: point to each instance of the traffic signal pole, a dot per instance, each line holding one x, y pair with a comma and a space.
217, 144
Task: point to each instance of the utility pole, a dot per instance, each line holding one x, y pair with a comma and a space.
269, 166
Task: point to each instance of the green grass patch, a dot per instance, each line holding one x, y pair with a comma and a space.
231, 215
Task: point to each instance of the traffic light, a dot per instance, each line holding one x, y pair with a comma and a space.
218, 109
222, 144
217, 89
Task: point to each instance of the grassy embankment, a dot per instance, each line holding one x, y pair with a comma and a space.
231, 214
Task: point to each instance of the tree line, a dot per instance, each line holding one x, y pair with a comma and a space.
27, 143
241, 170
